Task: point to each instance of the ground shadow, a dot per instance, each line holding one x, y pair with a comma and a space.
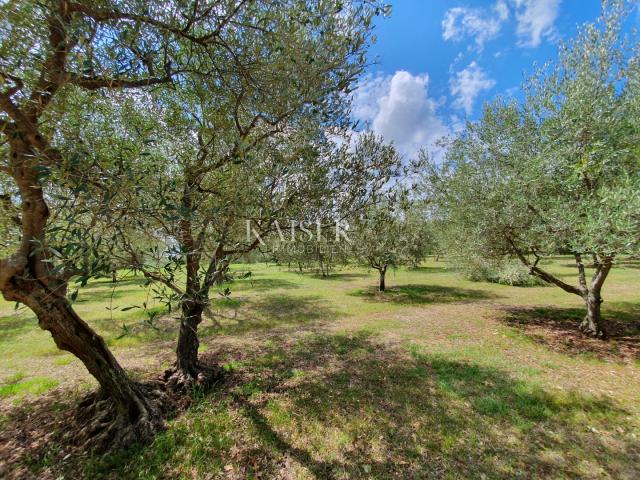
16, 324
105, 293
342, 276
340, 406
422, 294
106, 282
558, 328
267, 312
418, 416
628, 263
427, 269
32, 433
261, 284
619, 263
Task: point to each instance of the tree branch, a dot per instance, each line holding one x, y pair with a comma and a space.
105, 14
581, 272
602, 271
95, 83
159, 278
542, 274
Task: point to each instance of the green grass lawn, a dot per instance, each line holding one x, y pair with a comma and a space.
438, 377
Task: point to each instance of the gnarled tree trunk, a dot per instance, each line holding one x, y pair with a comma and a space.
589, 291
123, 411
188, 371
592, 324
188, 343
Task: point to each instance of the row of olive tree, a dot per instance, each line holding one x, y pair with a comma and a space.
384, 234
159, 126
559, 172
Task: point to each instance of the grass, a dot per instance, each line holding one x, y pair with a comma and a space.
437, 378
422, 294
16, 385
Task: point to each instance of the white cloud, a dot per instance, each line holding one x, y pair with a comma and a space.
536, 20
478, 23
468, 84
366, 97
399, 108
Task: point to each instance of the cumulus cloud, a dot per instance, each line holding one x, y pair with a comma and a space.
535, 20
399, 108
477, 23
467, 84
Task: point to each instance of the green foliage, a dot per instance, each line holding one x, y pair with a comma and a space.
391, 233
560, 173
504, 271
515, 274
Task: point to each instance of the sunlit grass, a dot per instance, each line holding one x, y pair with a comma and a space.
362, 410
328, 378
16, 385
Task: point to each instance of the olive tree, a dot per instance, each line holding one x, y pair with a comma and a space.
210, 206
50, 51
391, 232
560, 173
384, 238
246, 148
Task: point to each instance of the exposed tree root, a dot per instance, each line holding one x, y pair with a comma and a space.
103, 426
591, 330
202, 377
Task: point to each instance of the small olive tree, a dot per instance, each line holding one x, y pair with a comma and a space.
390, 234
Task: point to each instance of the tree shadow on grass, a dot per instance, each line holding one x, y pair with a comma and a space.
426, 269
340, 276
557, 328
105, 290
107, 283
105, 293
421, 416
16, 324
32, 435
619, 263
628, 263
345, 406
270, 311
261, 284
422, 294
338, 406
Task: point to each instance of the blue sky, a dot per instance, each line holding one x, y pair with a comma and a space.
437, 61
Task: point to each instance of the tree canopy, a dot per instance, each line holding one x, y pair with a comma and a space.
558, 173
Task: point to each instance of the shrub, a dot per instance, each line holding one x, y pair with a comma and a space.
503, 271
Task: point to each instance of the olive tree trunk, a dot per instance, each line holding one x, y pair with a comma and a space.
381, 285
122, 412
188, 343
188, 372
592, 323
589, 291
